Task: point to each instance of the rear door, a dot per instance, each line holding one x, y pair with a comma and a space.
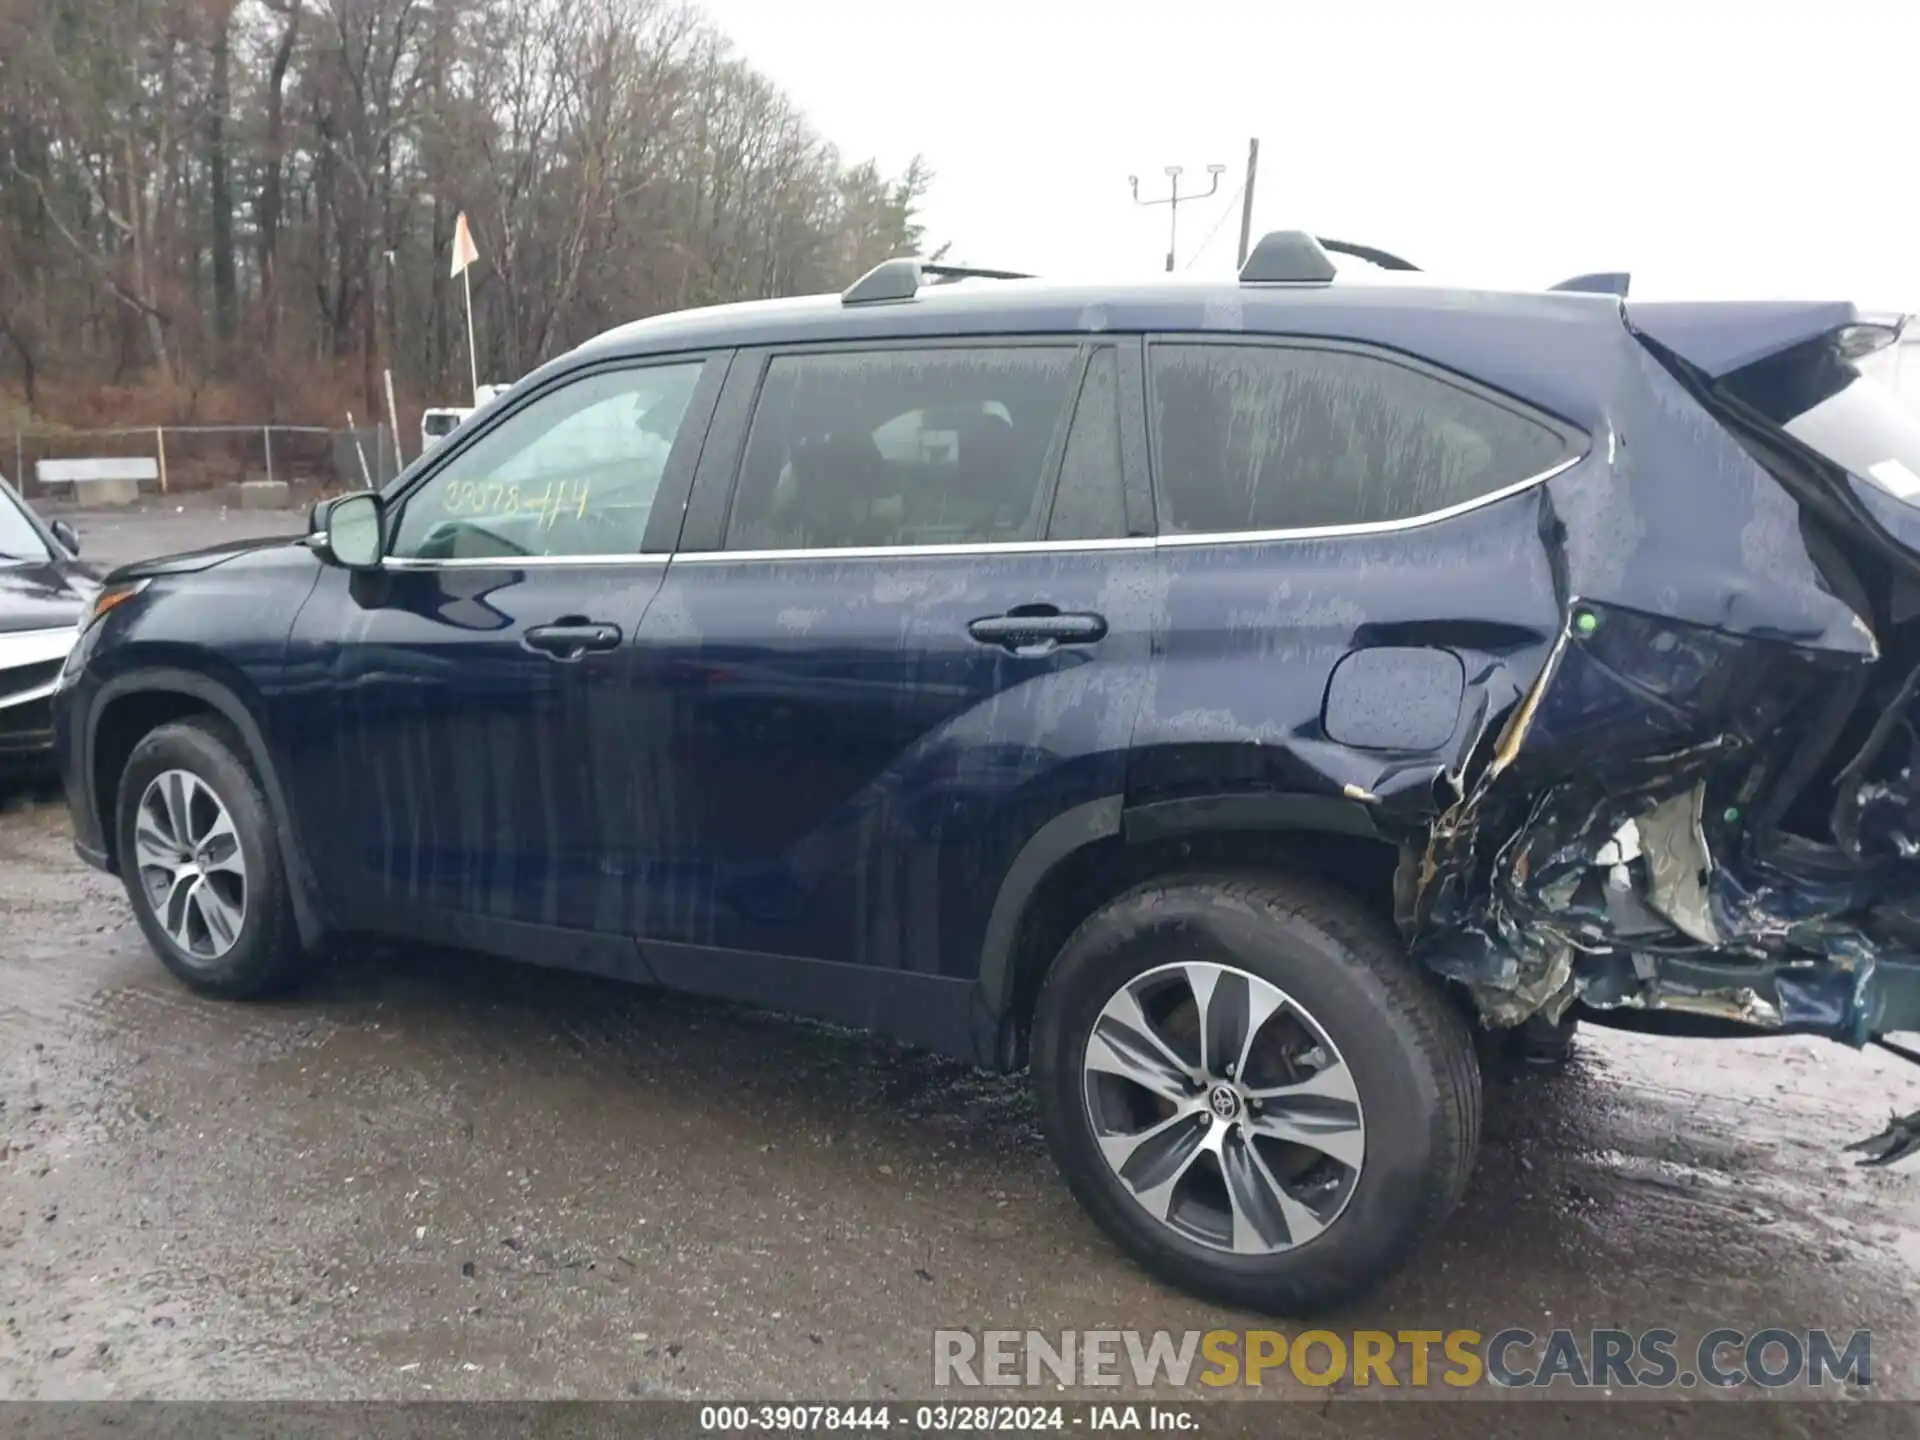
905, 630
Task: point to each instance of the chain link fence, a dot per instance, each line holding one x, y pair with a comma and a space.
196, 458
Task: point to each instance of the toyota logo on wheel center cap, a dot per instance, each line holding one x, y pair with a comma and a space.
1223, 1102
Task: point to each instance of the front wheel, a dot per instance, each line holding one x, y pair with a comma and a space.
1251, 1089
202, 864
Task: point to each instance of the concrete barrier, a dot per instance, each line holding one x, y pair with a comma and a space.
106, 481
264, 495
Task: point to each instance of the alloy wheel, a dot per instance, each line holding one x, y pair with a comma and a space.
191, 866
1223, 1108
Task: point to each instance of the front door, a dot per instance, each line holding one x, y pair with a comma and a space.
464, 766
919, 634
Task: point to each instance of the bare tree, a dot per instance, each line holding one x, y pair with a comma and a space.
188, 183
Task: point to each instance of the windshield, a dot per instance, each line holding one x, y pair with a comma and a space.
19, 540
1832, 406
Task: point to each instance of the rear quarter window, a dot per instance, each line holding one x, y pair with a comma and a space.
1298, 437
1847, 412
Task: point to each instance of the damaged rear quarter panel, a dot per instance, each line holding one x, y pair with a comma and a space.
1645, 616
1580, 864
1251, 635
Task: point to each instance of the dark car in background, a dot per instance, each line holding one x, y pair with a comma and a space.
44, 592
1225, 698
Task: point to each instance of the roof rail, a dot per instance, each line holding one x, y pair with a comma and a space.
1294, 256
1385, 259
1610, 282
900, 279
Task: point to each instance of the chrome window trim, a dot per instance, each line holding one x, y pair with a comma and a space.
895, 552
1149, 542
517, 562
1383, 527
1013, 547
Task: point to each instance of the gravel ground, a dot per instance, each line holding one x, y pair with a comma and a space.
162, 525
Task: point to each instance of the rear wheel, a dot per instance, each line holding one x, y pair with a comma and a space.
202, 865
1252, 1090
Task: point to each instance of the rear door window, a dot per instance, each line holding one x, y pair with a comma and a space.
1255, 437
902, 447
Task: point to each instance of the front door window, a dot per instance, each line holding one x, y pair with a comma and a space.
573, 474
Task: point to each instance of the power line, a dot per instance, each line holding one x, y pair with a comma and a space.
1232, 200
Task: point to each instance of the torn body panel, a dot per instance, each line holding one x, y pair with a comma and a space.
1705, 804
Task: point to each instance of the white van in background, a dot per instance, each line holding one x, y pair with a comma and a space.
442, 420
438, 423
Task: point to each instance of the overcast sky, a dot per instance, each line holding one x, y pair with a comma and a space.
1715, 150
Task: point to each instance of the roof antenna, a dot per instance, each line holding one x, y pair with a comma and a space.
1287, 257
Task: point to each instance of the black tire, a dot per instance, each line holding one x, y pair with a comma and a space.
1407, 1049
266, 955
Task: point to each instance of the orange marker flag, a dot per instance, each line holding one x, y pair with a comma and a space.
465, 252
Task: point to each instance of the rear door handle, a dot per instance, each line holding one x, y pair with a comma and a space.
1037, 629
569, 639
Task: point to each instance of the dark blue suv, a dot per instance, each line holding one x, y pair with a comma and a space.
1227, 698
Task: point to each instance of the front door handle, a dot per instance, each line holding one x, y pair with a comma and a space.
1037, 629
569, 639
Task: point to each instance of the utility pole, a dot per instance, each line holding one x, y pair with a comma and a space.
393, 414
1246, 201
1173, 199
390, 271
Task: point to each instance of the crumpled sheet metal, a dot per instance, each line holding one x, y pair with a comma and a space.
1554, 929
1623, 881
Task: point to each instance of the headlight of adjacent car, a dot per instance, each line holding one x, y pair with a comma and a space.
25, 649
32, 663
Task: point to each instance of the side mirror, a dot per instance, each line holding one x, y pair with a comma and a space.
348, 530
66, 535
